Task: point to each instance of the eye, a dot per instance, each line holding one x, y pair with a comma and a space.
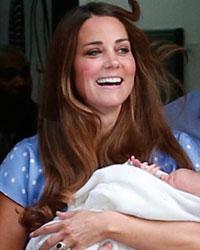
93, 52
124, 50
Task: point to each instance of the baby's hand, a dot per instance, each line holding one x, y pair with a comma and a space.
143, 165
134, 161
153, 168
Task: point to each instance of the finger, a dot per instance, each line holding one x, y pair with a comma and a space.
51, 242
106, 246
54, 239
153, 169
60, 245
136, 162
67, 214
165, 177
130, 162
132, 157
47, 229
144, 165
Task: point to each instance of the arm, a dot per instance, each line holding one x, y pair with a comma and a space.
157, 235
82, 228
20, 193
12, 234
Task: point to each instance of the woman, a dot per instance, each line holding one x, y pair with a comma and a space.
100, 87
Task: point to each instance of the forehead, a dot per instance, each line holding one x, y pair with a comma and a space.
100, 28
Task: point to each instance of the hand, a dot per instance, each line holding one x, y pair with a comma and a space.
77, 230
152, 168
134, 161
106, 246
143, 165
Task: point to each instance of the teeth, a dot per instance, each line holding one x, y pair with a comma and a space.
109, 80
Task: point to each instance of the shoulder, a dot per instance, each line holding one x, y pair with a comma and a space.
24, 151
21, 173
185, 103
190, 146
184, 114
186, 141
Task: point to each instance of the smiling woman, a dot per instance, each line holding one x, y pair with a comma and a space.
100, 104
104, 65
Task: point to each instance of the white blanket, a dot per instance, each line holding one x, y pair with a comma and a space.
132, 191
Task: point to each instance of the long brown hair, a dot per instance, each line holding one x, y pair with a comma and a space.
67, 128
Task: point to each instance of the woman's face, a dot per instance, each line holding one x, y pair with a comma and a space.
104, 65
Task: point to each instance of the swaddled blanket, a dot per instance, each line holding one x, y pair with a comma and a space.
132, 191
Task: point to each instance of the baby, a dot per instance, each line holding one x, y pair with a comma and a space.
184, 179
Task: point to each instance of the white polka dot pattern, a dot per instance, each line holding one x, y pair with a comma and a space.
21, 173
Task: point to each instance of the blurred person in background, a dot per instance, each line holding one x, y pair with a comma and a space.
18, 113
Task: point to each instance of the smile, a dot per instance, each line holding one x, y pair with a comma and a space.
109, 81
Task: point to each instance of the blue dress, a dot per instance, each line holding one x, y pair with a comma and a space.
21, 173
22, 177
183, 114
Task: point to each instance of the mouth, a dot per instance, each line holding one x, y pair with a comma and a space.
109, 81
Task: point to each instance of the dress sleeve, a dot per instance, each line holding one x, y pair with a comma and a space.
191, 148
21, 173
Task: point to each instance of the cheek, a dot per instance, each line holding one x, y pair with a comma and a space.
130, 71
83, 73
83, 70
131, 67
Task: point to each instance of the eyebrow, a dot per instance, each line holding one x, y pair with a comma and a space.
100, 42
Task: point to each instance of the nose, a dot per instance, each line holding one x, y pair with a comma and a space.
111, 61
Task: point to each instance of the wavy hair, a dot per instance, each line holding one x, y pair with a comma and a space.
67, 127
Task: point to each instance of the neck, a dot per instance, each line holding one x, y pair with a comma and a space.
108, 121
